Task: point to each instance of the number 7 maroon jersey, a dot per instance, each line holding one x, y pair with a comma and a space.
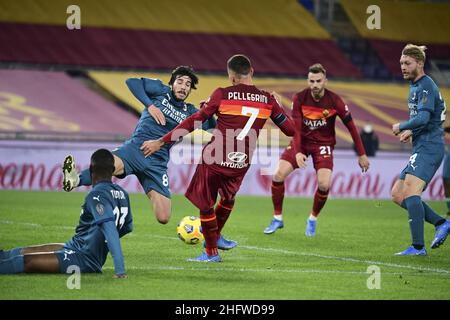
242, 110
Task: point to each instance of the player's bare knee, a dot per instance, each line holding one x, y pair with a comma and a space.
407, 185
409, 189
163, 220
396, 197
162, 216
323, 186
279, 176
396, 194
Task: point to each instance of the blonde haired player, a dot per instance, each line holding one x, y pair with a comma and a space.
424, 128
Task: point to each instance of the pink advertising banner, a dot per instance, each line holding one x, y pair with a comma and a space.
26, 165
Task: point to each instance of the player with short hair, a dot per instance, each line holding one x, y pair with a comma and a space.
427, 112
314, 110
242, 111
165, 108
105, 218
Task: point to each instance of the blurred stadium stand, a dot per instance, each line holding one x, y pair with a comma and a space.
51, 105
161, 34
376, 52
149, 38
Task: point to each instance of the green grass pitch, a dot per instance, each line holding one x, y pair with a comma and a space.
352, 235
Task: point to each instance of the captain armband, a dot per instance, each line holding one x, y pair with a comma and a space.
280, 119
347, 119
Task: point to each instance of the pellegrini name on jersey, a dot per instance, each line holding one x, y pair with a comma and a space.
233, 95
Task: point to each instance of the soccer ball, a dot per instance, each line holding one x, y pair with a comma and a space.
189, 230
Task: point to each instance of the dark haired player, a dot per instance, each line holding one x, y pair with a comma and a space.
242, 110
165, 108
105, 218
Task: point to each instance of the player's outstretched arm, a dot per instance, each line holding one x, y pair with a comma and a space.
209, 123
363, 160
185, 127
138, 89
363, 163
285, 124
422, 118
188, 125
346, 117
109, 230
426, 98
278, 117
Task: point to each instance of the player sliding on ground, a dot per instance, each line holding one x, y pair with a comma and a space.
314, 111
164, 110
105, 218
427, 112
242, 111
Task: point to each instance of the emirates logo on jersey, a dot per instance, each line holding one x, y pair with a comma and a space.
237, 157
315, 124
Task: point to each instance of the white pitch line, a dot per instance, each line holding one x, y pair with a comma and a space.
27, 224
369, 262
35, 225
346, 259
282, 251
234, 270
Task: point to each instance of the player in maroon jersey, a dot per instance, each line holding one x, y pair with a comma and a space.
242, 110
314, 111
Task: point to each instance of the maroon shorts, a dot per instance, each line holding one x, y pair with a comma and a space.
322, 155
207, 183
